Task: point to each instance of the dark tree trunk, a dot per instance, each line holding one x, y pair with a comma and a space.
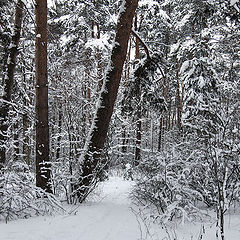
139, 112
97, 136
42, 127
25, 118
59, 137
179, 106
16, 147
8, 80
160, 133
138, 138
124, 142
26, 147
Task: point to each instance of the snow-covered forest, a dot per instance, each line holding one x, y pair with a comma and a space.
120, 111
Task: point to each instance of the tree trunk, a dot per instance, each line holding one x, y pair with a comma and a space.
42, 127
124, 142
16, 147
139, 114
26, 147
160, 134
26, 123
179, 106
8, 80
59, 131
99, 61
138, 138
90, 159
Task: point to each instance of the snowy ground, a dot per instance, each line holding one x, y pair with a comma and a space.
108, 217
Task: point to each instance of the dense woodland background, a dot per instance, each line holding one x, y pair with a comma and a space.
175, 120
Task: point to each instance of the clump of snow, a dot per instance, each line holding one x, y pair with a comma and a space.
174, 48
100, 44
183, 21
232, 2
184, 66
163, 15
150, 4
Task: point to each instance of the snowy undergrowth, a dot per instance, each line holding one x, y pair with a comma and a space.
206, 229
109, 214
20, 198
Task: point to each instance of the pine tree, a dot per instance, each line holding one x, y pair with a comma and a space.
9, 80
91, 159
42, 128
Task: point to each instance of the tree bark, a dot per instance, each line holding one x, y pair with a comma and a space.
98, 133
179, 106
139, 112
59, 132
160, 134
42, 126
8, 80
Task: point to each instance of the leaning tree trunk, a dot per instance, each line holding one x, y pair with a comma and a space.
42, 127
8, 80
90, 159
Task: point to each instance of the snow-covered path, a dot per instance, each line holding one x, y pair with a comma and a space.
108, 218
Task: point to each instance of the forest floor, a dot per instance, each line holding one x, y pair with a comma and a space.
110, 215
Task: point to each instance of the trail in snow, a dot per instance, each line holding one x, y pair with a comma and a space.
109, 217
